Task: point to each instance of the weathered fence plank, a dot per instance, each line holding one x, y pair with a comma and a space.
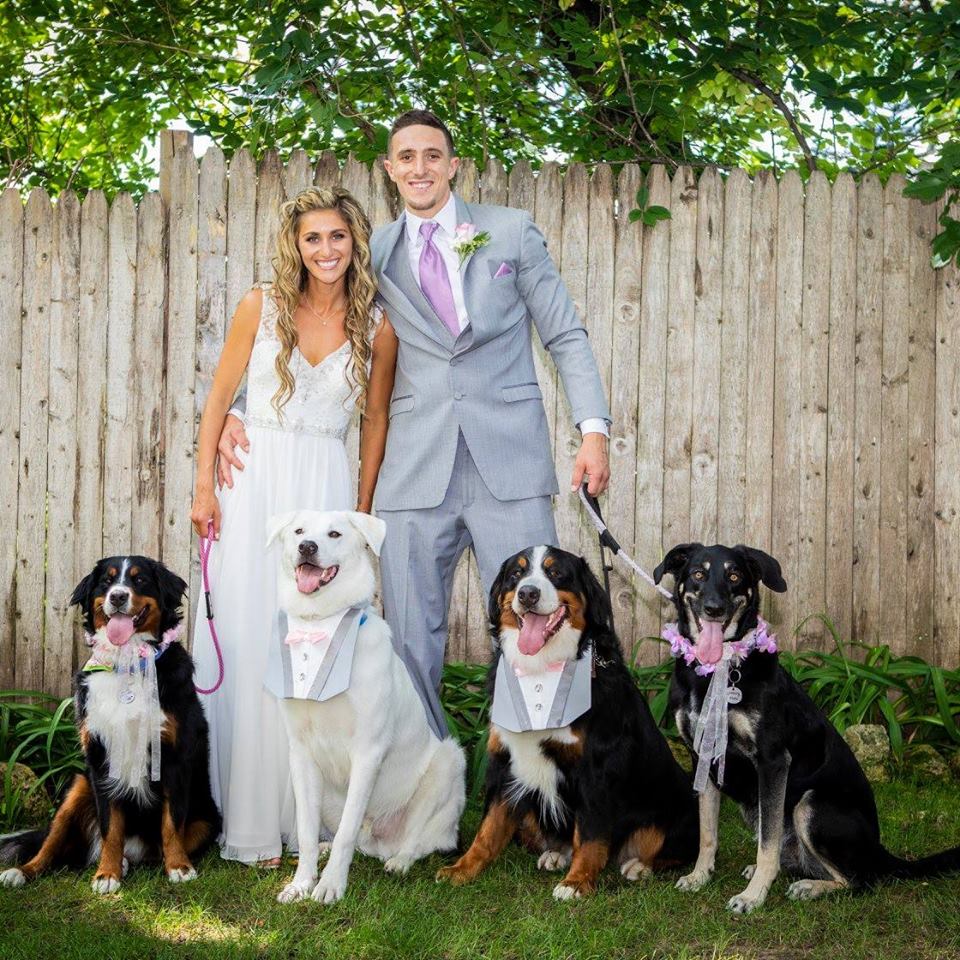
34, 398
241, 233
11, 331
841, 403
269, 198
58, 630
118, 350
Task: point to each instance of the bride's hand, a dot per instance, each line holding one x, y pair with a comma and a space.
205, 508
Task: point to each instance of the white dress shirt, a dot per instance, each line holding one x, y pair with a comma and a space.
443, 238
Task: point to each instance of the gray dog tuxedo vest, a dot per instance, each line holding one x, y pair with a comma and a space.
313, 659
541, 701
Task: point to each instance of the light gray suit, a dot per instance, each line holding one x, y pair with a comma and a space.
468, 459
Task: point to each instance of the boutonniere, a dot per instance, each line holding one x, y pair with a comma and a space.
468, 240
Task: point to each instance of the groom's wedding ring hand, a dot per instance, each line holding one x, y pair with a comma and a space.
592, 462
232, 435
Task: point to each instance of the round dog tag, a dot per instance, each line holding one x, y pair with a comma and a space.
734, 695
128, 696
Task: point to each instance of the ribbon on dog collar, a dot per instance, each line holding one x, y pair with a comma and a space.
710, 735
139, 695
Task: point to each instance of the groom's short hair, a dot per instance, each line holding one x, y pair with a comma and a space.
422, 118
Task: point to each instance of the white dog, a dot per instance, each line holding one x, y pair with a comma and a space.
364, 763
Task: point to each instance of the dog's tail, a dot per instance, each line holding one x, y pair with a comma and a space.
948, 861
17, 848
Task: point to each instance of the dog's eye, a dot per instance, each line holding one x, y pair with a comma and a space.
298, 531
699, 576
335, 534
734, 577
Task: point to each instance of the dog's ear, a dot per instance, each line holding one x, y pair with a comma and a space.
277, 523
82, 594
172, 591
493, 598
371, 528
598, 603
675, 560
764, 567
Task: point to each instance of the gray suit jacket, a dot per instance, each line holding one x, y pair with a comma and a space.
482, 383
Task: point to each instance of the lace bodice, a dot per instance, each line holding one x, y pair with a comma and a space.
322, 402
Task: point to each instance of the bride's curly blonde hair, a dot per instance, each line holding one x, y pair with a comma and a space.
290, 280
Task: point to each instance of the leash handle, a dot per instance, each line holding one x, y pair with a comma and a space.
206, 543
593, 513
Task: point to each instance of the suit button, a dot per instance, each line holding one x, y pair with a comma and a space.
458, 396
303, 676
454, 361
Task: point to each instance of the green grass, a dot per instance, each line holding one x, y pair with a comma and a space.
231, 911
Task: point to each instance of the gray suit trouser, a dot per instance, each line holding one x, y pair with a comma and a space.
419, 556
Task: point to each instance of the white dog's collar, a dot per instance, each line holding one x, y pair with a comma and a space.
313, 659
541, 701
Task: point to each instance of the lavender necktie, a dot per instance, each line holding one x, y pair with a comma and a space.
434, 280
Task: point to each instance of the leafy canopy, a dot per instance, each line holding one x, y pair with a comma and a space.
866, 85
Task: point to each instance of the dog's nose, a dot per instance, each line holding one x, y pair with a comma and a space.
529, 596
307, 548
118, 598
713, 609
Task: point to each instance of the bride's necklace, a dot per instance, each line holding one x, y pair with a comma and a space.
323, 320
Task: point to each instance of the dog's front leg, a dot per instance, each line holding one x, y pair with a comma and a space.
772, 786
709, 803
308, 793
363, 778
110, 868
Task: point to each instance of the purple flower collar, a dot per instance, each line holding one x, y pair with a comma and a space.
757, 639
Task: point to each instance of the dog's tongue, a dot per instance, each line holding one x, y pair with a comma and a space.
120, 629
709, 646
533, 633
309, 577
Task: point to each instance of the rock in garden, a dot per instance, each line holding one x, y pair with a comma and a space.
926, 764
36, 804
869, 743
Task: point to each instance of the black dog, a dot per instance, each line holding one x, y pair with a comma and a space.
793, 775
603, 785
115, 812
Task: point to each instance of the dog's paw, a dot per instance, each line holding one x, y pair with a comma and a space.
694, 881
553, 860
329, 890
124, 868
13, 877
293, 892
105, 883
563, 891
400, 863
745, 902
454, 874
749, 870
182, 874
811, 889
634, 869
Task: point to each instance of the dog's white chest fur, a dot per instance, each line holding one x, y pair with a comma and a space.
123, 728
532, 770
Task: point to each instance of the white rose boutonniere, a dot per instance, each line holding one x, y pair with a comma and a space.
469, 240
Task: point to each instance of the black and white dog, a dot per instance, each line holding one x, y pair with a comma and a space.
586, 785
134, 699
796, 780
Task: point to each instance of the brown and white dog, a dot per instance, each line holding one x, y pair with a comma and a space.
136, 690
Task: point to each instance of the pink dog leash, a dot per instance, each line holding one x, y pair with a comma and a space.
205, 545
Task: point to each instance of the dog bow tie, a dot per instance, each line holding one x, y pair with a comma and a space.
555, 666
298, 636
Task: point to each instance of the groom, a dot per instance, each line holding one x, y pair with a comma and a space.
468, 460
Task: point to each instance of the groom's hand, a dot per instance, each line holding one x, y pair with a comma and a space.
592, 462
232, 434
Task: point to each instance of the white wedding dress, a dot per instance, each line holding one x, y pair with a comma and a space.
298, 462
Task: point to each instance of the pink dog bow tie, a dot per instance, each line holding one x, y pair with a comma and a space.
298, 636
555, 666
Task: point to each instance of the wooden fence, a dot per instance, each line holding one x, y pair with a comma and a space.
782, 362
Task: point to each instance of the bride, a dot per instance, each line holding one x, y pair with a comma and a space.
314, 345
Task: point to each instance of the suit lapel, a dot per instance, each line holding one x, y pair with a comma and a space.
398, 287
475, 308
